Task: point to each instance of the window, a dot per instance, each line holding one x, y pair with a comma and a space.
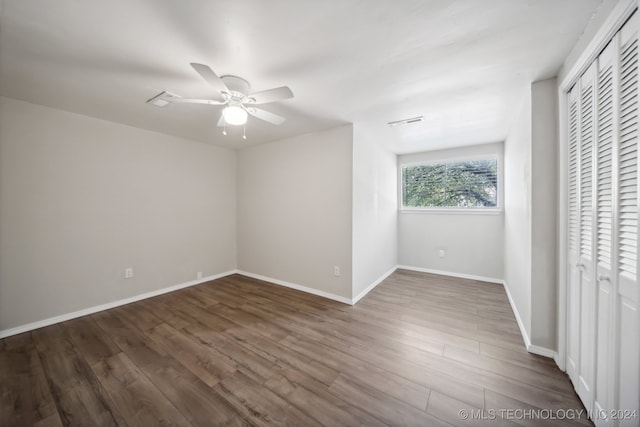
454, 185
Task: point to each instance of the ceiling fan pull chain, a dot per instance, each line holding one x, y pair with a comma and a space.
244, 131
224, 128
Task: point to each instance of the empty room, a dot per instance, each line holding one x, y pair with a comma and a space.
305, 213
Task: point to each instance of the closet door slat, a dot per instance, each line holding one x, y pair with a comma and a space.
628, 161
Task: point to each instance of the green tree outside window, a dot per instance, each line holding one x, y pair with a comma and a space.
465, 184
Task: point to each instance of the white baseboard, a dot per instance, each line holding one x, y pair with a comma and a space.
86, 311
514, 308
452, 274
317, 292
373, 285
297, 287
559, 361
541, 351
531, 348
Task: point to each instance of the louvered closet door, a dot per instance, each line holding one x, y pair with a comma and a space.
586, 364
627, 295
573, 308
603, 324
606, 138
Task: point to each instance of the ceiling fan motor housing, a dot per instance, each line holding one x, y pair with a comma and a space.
238, 87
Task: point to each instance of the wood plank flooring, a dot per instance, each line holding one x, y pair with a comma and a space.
237, 351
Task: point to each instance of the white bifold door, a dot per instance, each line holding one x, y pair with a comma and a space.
603, 325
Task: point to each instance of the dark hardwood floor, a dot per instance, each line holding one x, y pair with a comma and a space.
416, 351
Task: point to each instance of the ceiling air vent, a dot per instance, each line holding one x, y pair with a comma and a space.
405, 122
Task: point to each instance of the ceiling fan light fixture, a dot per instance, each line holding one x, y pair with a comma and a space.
234, 115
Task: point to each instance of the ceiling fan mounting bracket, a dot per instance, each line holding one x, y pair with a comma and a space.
238, 87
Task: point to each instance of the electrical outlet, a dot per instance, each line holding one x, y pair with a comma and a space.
441, 253
128, 273
336, 270
199, 275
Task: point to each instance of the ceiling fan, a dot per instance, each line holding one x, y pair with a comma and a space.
232, 93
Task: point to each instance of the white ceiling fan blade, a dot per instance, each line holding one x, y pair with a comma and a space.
210, 77
266, 116
165, 98
196, 101
270, 95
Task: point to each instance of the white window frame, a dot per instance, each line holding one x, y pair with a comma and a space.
453, 210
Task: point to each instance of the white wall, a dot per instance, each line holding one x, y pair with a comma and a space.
473, 243
544, 201
295, 210
517, 212
375, 210
531, 175
81, 199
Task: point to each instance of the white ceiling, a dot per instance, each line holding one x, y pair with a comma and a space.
463, 64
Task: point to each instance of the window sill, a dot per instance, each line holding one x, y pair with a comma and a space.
452, 211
